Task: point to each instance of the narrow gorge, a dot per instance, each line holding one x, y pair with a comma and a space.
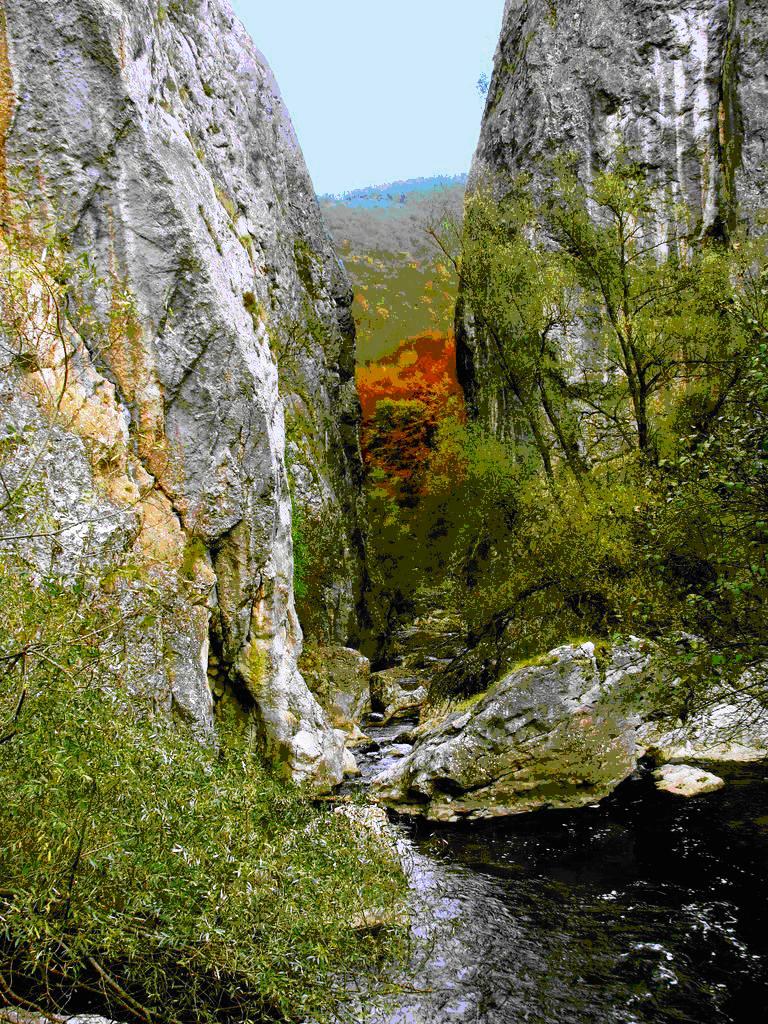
384, 574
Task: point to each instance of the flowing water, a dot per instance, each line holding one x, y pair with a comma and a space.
646, 908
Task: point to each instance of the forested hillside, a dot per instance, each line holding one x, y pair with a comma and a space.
403, 287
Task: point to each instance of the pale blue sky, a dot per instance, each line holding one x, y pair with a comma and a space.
376, 91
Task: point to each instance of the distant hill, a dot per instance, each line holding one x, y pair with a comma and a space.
404, 287
392, 218
395, 193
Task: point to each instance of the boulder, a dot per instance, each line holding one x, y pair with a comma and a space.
726, 730
349, 765
546, 735
339, 678
683, 780
399, 692
563, 732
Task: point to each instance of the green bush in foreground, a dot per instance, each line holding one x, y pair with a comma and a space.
146, 875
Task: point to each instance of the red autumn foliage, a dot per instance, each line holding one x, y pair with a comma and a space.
422, 368
404, 397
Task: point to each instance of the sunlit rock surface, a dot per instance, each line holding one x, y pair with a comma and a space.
563, 732
680, 83
732, 726
155, 134
542, 737
339, 677
683, 780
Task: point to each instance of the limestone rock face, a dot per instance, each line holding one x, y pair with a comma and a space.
544, 736
732, 727
77, 513
339, 677
682, 83
156, 136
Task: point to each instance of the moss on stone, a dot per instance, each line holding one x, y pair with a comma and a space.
195, 552
255, 308
226, 201
306, 261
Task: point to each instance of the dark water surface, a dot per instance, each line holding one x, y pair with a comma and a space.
646, 908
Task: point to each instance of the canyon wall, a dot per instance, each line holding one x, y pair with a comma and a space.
211, 384
683, 84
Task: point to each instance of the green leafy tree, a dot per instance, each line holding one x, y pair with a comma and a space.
629, 355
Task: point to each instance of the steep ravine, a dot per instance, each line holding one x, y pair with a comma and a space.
208, 438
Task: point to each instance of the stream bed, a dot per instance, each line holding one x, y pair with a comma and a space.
645, 908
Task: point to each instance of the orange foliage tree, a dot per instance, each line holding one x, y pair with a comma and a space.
405, 397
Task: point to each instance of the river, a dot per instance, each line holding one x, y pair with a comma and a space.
645, 908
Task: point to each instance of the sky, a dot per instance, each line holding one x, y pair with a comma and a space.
379, 91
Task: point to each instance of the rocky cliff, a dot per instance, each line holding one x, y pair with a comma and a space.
683, 84
211, 384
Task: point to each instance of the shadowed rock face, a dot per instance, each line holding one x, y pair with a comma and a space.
682, 83
157, 134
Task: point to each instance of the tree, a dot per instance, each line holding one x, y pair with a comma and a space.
595, 308
630, 354
649, 301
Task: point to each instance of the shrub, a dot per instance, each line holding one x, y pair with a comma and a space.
146, 875
301, 555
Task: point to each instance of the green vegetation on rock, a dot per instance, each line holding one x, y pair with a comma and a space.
149, 870
149, 875
623, 489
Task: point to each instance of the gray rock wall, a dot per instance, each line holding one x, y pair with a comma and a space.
155, 134
682, 83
